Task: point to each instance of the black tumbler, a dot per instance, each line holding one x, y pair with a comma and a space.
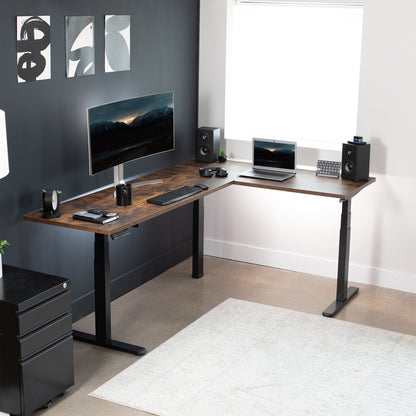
123, 194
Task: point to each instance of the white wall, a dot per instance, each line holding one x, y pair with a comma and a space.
300, 232
212, 47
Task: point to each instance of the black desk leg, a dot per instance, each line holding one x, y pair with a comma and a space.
198, 239
102, 286
344, 293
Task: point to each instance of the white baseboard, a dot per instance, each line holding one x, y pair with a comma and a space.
312, 265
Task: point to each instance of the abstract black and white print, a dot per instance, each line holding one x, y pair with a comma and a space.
80, 50
33, 48
117, 43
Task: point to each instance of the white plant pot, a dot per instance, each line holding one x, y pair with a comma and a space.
1, 272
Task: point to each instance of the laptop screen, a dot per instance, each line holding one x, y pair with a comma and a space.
274, 155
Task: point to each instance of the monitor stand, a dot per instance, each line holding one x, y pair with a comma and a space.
119, 175
119, 178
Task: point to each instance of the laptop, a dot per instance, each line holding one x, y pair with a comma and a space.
272, 159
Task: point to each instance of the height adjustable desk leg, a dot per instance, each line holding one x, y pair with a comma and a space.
102, 286
344, 293
198, 239
102, 291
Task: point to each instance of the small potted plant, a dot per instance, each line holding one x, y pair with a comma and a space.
3, 245
222, 157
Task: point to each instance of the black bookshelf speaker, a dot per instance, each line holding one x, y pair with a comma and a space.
355, 162
207, 147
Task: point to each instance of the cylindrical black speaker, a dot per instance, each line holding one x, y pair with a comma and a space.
355, 162
207, 146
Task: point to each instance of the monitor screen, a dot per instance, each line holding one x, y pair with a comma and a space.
130, 129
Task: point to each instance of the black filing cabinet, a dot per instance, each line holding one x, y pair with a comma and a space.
36, 349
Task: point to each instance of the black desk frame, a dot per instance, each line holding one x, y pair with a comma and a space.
102, 271
102, 296
102, 289
344, 293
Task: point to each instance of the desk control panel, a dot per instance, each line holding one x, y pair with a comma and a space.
176, 195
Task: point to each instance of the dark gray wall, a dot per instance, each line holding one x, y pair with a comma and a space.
47, 138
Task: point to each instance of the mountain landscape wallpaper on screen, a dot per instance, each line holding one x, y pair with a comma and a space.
274, 155
130, 129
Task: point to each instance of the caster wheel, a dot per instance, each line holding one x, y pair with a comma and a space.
47, 405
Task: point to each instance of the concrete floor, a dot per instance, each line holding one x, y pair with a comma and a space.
157, 310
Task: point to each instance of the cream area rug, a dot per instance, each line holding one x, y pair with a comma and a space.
247, 359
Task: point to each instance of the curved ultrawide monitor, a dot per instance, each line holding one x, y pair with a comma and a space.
125, 130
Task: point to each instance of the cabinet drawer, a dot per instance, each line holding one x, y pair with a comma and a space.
46, 375
44, 312
45, 335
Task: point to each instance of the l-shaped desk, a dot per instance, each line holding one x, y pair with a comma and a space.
305, 182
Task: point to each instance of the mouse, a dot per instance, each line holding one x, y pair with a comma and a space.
203, 186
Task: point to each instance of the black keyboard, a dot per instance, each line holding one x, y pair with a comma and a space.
175, 195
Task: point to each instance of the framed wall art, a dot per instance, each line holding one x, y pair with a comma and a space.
80, 48
117, 43
33, 48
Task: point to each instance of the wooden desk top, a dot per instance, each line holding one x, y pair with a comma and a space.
186, 174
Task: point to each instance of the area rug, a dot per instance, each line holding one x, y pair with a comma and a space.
247, 359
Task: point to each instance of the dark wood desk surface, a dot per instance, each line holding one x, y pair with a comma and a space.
305, 182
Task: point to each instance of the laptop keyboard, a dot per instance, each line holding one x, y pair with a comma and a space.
272, 176
268, 172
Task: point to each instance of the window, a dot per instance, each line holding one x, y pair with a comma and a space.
293, 71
